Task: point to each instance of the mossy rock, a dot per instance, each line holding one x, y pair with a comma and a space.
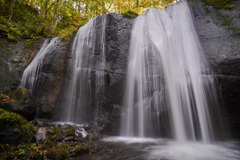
220, 4
19, 93
59, 152
81, 149
14, 128
19, 101
55, 134
68, 131
22, 151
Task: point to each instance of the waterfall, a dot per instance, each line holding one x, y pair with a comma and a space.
169, 87
32, 73
85, 85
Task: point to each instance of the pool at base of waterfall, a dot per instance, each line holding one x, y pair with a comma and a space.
131, 148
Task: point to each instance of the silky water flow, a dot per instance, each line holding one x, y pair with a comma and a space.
32, 74
171, 105
85, 85
168, 79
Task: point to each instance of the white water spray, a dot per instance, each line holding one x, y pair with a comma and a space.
86, 81
167, 81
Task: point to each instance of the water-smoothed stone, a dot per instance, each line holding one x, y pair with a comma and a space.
41, 135
70, 138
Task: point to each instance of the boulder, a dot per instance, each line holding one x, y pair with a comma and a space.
49, 82
19, 101
41, 135
14, 128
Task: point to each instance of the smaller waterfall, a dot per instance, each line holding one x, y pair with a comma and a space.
85, 86
167, 79
33, 70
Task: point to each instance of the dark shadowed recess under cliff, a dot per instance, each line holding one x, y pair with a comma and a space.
218, 32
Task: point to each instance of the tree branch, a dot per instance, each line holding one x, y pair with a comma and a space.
50, 7
102, 6
12, 10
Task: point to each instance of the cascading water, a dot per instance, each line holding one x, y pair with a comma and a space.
167, 79
86, 83
169, 93
32, 73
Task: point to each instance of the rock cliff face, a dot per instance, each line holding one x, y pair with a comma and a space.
13, 58
50, 80
219, 33
118, 34
116, 44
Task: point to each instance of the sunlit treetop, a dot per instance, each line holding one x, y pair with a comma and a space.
46, 18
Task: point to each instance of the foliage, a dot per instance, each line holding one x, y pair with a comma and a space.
81, 149
53, 134
14, 96
19, 20
33, 19
18, 93
30, 42
130, 14
10, 119
21, 151
220, 4
5, 98
59, 152
54, 148
69, 131
67, 32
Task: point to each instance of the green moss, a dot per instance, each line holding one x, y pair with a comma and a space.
18, 93
10, 119
48, 144
29, 43
14, 96
220, 4
228, 23
59, 152
237, 34
69, 131
23, 151
130, 14
80, 149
